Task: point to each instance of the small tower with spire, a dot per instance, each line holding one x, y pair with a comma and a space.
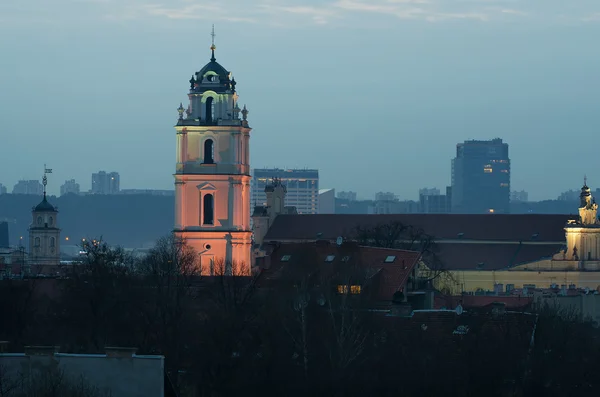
212, 174
583, 234
44, 234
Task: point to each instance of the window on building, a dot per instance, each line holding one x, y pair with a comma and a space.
286, 258
390, 259
50, 221
52, 241
208, 209
354, 289
210, 109
330, 258
37, 242
209, 151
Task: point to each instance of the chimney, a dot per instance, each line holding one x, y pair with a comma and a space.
41, 350
120, 352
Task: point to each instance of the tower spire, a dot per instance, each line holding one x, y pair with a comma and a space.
585, 180
213, 47
45, 179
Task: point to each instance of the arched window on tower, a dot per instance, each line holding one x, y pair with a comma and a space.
208, 209
210, 109
209, 151
52, 242
37, 242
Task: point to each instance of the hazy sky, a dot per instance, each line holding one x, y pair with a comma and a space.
373, 93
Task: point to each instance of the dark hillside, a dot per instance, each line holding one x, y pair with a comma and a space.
127, 220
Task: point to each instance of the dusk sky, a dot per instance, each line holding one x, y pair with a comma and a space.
373, 93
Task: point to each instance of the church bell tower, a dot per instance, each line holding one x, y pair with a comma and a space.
212, 177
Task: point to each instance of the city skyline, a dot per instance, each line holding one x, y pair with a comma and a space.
484, 69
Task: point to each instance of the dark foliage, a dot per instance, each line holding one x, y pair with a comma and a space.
297, 336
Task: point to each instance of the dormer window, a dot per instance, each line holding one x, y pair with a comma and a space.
390, 259
330, 258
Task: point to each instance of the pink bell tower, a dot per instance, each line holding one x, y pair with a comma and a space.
212, 177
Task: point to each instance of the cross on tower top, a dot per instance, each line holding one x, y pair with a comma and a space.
213, 47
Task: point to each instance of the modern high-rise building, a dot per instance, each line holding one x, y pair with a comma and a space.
69, 186
481, 177
28, 187
302, 188
431, 201
212, 173
3, 189
105, 183
327, 201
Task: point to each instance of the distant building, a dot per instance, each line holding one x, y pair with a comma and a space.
69, 186
429, 192
33, 187
385, 196
105, 183
151, 192
432, 202
481, 177
119, 371
521, 196
3, 189
302, 188
327, 201
570, 195
350, 196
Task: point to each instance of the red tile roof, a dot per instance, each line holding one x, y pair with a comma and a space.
324, 257
496, 227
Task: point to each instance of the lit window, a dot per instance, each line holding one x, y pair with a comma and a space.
390, 259
286, 258
330, 258
491, 210
354, 289
487, 170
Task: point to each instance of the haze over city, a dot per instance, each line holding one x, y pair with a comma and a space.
353, 88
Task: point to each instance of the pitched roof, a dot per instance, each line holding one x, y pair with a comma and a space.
496, 227
482, 256
393, 266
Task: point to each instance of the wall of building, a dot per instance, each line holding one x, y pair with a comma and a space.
134, 376
473, 280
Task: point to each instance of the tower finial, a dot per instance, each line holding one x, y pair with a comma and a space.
585, 180
45, 179
213, 47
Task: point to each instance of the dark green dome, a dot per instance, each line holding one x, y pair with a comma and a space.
44, 206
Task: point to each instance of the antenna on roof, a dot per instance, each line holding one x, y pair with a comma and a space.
339, 241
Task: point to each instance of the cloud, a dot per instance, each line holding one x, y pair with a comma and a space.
299, 13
